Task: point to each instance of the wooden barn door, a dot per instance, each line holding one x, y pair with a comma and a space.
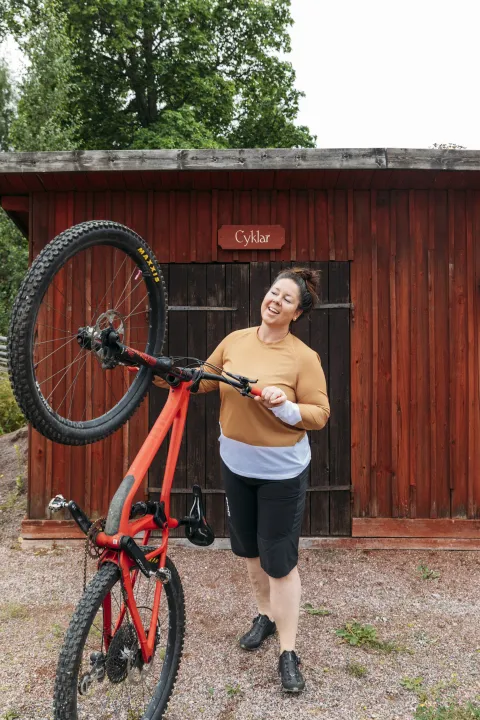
206, 303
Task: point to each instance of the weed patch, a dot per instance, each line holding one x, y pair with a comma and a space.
412, 684
452, 711
322, 611
11, 417
365, 636
427, 573
13, 611
356, 669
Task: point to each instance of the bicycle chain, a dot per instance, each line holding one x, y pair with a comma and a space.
91, 548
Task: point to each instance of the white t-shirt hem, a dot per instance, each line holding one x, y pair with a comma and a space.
265, 463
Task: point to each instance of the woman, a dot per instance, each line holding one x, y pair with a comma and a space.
265, 456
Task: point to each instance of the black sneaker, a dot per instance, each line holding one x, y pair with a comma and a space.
262, 627
292, 678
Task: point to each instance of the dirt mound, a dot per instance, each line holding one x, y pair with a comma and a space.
13, 481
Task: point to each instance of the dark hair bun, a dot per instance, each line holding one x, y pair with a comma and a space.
311, 279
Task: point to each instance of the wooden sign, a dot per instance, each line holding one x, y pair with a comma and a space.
251, 237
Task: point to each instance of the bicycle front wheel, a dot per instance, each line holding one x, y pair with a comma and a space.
95, 275
94, 682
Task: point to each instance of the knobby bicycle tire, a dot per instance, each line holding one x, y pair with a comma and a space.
41, 275
66, 683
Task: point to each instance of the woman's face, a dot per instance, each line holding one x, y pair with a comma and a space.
280, 304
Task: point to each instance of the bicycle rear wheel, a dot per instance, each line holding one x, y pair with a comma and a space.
93, 682
95, 275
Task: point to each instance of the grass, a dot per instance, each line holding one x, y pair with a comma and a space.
57, 630
364, 636
133, 715
426, 573
13, 497
10, 715
13, 611
356, 669
11, 501
322, 611
95, 631
452, 711
412, 684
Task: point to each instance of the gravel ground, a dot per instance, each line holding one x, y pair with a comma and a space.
433, 622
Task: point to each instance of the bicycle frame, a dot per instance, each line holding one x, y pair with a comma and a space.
172, 416
117, 539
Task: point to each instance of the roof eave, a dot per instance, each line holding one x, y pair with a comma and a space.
240, 159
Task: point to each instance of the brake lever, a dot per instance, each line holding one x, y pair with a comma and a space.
241, 378
197, 380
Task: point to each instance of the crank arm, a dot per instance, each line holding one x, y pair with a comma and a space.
59, 503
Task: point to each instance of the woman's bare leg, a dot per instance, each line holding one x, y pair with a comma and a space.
259, 581
285, 607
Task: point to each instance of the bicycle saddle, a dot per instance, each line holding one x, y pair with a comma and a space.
198, 531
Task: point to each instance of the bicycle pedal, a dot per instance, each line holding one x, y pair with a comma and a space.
57, 503
163, 575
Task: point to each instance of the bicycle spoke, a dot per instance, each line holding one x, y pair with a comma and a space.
111, 284
131, 293
82, 294
54, 351
43, 342
64, 374
84, 362
119, 301
91, 396
55, 310
129, 697
114, 265
141, 312
57, 372
64, 330
136, 306
111, 388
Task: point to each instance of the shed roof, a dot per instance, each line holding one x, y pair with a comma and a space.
268, 169
240, 159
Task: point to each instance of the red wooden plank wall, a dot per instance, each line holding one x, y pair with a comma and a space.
414, 354
414, 346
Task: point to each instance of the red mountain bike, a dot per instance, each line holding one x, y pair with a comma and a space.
81, 359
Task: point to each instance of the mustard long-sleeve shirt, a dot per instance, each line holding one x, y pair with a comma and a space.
289, 365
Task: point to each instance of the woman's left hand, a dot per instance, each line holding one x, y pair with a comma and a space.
271, 397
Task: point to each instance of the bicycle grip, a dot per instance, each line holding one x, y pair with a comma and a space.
255, 391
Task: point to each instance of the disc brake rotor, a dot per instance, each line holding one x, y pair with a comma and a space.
109, 319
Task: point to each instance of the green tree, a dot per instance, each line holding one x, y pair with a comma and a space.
44, 118
13, 246
13, 265
6, 105
173, 73
40, 121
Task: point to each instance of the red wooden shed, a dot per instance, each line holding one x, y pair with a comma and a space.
396, 234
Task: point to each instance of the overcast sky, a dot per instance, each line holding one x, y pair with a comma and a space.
387, 73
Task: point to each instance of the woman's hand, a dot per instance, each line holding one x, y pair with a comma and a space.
271, 397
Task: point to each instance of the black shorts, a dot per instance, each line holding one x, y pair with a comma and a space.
265, 519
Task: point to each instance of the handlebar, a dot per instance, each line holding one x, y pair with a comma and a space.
113, 353
241, 382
